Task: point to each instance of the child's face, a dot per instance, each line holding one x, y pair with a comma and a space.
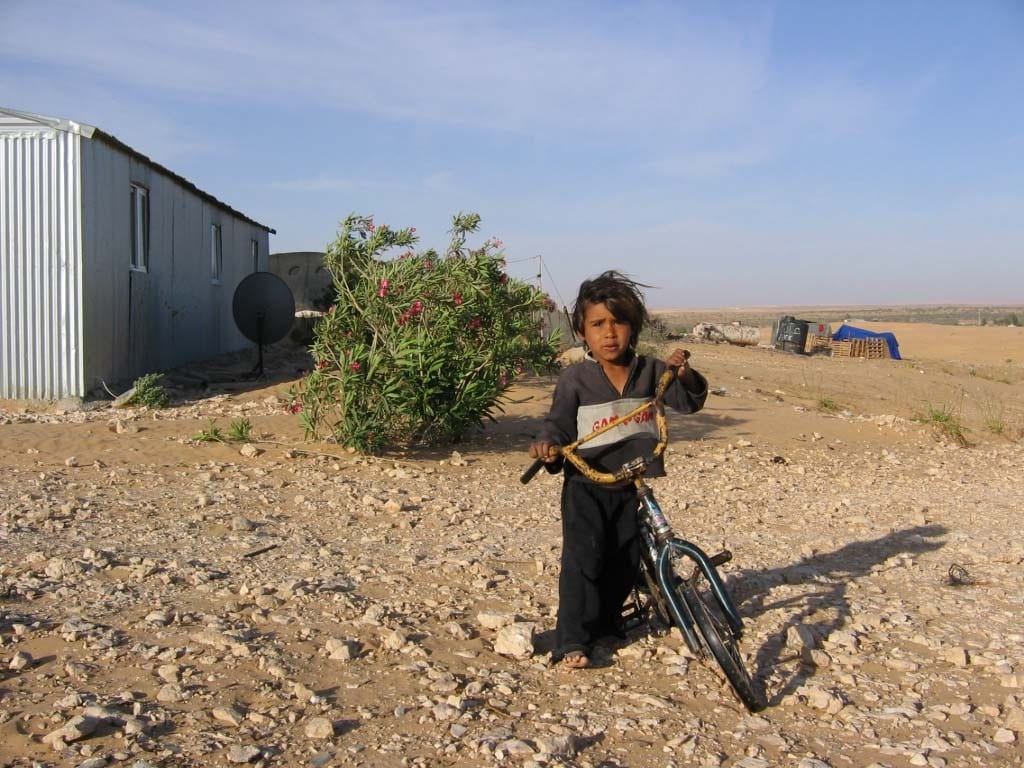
607, 337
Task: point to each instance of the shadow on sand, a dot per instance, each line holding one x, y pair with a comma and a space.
826, 608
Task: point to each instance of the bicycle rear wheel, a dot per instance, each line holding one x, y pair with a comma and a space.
722, 643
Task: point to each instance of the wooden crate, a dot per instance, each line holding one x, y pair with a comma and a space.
872, 349
817, 344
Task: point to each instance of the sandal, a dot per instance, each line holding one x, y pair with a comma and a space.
576, 660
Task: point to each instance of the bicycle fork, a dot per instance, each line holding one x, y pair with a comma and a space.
662, 549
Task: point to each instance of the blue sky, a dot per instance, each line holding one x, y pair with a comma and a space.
730, 154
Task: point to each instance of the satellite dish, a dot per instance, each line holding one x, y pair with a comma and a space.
264, 310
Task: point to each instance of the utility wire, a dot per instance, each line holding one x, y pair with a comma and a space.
553, 283
544, 268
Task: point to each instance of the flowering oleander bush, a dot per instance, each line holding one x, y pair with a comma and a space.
421, 347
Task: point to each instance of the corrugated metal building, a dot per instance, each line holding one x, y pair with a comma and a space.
111, 266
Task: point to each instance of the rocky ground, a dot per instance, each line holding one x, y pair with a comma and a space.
172, 602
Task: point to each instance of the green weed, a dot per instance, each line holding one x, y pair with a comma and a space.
828, 404
212, 433
149, 392
946, 422
240, 431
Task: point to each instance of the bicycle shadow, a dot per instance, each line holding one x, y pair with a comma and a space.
751, 589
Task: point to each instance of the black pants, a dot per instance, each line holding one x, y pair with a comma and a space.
600, 558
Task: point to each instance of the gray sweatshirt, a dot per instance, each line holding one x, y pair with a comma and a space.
585, 399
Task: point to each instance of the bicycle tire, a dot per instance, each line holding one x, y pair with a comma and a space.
723, 644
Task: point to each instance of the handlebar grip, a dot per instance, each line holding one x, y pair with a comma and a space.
533, 470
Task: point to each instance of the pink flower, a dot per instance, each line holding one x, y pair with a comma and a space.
383, 291
294, 408
457, 298
370, 226
322, 364
475, 324
356, 366
412, 230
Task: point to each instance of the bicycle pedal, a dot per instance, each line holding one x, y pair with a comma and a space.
721, 558
632, 616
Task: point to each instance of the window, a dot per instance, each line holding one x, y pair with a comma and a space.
254, 248
140, 228
216, 253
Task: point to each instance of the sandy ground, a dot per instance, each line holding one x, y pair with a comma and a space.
170, 602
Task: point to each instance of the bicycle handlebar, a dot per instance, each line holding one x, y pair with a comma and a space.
568, 452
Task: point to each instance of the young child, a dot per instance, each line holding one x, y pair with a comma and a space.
600, 544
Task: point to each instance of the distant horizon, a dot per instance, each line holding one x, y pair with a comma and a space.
904, 305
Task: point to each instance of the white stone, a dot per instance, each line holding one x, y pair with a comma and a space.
393, 639
515, 640
243, 753
1004, 736
229, 714
319, 728
799, 637
21, 660
341, 650
495, 619
74, 729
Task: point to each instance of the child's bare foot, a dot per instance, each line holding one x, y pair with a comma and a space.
576, 660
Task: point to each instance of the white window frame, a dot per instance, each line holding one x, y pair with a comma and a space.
216, 254
139, 259
254, 249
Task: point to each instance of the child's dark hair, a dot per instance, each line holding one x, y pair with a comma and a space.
621, 295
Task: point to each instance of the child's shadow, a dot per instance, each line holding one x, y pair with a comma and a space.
751, 589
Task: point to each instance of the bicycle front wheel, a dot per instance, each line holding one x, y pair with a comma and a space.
722, 643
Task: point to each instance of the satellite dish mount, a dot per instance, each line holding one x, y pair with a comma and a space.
264, 310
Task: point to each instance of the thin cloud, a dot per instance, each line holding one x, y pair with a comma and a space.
463, 66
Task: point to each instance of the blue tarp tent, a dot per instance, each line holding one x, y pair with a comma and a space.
851, 332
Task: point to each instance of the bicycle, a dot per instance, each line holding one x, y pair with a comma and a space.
698, 603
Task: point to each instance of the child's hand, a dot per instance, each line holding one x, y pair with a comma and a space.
678, 359
543, 449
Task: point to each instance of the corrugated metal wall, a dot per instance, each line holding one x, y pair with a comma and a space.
73, 314
40, 264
